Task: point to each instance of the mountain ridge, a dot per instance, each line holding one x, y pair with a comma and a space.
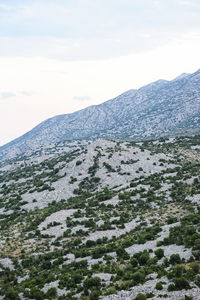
161, 108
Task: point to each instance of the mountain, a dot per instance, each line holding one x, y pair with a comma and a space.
162, 108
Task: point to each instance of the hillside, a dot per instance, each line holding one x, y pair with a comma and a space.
162, 108
102, 219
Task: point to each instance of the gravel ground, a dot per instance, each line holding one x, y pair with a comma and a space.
47, 286
59, 216
113, 232
149, 287
7, 263
168, 250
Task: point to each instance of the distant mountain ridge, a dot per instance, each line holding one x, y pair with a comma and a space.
162, 108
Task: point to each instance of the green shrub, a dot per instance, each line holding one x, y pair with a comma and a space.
197, 280
121, 253
94, 295
159, 286
171, 220
142, 259
138, 277
51, 293
178, 271
140, 296
11, 294
171, 287
181, 283
195, 267
159, 253
90, 283
175, 259
78, 162
134, 261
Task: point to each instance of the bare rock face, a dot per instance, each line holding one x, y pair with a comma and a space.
162, 108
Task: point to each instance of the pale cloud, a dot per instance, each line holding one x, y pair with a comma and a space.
98, 29
81, 49
82, 98
191, 4
25, 93
6, 95
5, 8
33, 11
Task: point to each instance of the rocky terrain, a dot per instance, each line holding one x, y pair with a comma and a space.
160, 109
102, 219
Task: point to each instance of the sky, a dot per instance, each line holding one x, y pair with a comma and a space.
60, 56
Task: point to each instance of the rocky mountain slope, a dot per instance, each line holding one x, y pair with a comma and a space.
162, 108
102, 219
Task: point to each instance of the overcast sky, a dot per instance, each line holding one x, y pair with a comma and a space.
60, 56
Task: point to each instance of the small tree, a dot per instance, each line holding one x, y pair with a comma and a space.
175, 259
159, 253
